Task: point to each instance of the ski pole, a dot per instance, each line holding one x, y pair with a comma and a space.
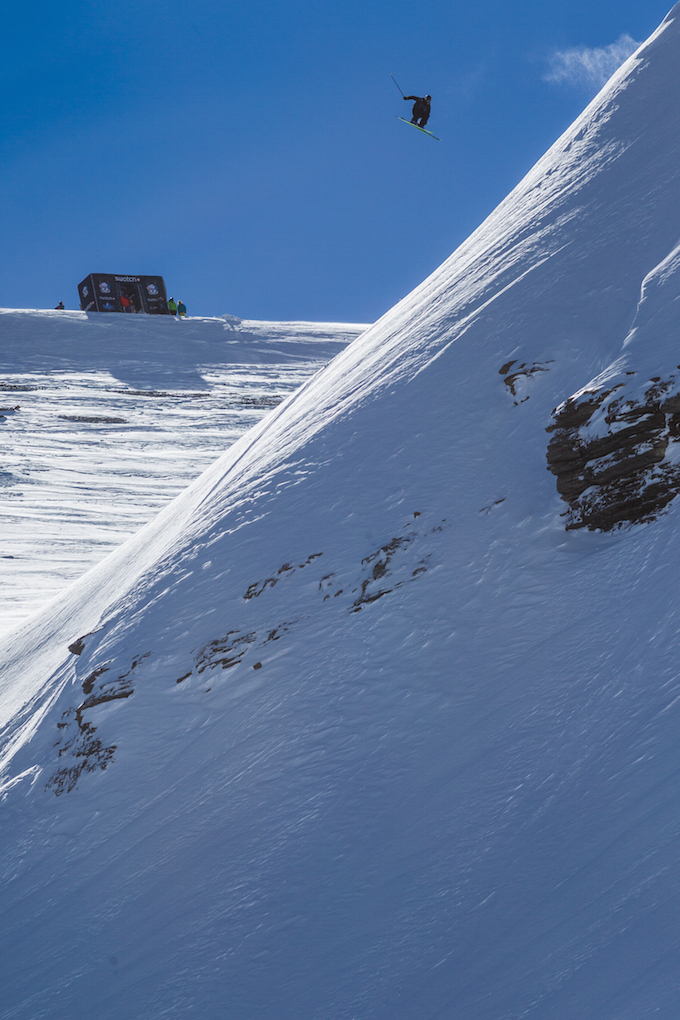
395, 82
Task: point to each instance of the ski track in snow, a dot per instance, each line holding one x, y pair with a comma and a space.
88, 457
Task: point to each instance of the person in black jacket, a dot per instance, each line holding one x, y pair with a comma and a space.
421, 110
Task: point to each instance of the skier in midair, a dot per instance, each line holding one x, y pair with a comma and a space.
421, 110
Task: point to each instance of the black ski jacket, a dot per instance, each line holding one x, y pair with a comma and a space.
422, 105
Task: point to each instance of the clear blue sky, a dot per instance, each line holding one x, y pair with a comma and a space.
249, 152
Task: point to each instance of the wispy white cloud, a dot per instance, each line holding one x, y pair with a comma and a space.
590, 68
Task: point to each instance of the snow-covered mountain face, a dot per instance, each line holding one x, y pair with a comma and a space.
379, 717
105, 418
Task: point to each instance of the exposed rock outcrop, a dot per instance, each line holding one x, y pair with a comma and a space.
615, 451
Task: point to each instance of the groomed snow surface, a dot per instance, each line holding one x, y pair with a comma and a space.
354, 729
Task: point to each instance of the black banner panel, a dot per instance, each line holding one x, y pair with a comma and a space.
104, 292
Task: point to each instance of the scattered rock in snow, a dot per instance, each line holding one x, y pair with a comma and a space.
384, 571
486, 510
226, 651
87, 750
88, 684
256, 589
522, 372
378, 567
83, 751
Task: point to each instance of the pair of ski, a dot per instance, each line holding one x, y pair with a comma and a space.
425, 132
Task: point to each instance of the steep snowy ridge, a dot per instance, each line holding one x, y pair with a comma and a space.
89, 363
104, 422
362, 724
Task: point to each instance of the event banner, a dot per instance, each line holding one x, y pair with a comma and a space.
103, 292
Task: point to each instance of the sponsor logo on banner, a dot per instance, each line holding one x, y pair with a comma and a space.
104, 292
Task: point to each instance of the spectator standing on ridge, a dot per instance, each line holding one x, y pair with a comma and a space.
421, 110
59, 307
181, 309
172, 306
126, 303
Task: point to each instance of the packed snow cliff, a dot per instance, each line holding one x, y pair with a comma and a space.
379, 717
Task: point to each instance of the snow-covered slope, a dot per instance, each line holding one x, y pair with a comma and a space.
105, 418
365, 724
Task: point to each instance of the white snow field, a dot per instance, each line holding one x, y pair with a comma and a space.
104, 418
357, 728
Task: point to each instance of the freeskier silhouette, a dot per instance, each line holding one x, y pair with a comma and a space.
421, 110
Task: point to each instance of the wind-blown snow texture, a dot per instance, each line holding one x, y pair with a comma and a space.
356, 728
105, 418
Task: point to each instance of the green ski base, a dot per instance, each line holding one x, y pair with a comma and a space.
419, 128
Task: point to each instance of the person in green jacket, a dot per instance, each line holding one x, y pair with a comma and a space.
181, 309
172, 306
